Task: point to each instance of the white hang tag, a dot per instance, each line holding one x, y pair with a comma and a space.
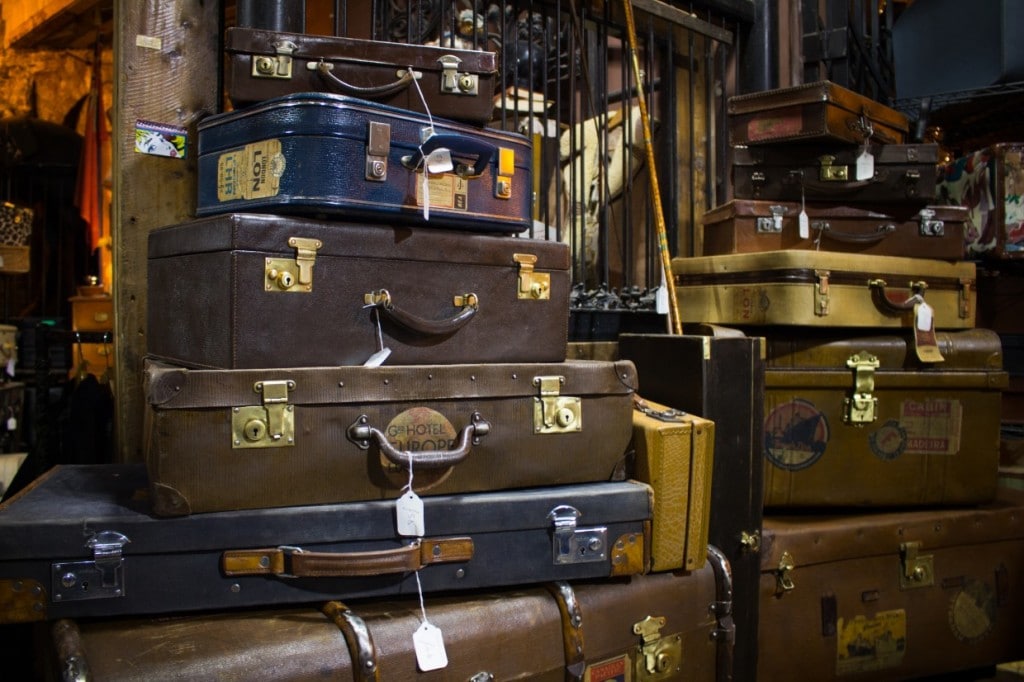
426, 195
409, 515
865, 165
378, 358
10, 367
439, 161
12, 423
925, 316
429, 645
804, 224
661, 300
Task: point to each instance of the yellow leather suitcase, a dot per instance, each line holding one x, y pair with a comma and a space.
674, 453
823, 289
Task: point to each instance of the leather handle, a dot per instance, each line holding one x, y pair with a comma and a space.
360, 432
885, 301
382, 301
459, 145
294, 562
403, 82
880, 233
361, 649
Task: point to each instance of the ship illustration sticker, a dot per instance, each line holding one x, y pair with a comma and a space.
868, 644
796, 434
972, 611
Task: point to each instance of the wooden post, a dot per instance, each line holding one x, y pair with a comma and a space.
167, 56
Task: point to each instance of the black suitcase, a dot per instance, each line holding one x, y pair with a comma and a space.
318, 153
82, 542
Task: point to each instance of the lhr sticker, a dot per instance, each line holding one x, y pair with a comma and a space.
250, 172
795, 435
612, 670
972, 611
447, 190
869, 644
932, 426
418, 430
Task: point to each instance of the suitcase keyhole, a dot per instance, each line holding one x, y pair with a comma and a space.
255, 430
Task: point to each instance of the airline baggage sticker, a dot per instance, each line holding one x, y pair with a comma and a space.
866, 644
796, 434
250, 172
933, 426
610, 670
448, 191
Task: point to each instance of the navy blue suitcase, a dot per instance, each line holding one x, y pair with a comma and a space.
333, 155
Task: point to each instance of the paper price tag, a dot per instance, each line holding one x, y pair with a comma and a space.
409, 515
12, 423
378, 358
439, 161
429, 645
10, 367
804, 224
925, 316
865, 166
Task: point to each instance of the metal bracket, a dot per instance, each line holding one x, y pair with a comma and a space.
100, 578
862, 407
378, 146
276, 66
821, 292
965, 297
929, 226
916, 570
531, 285
750, 542
659, 657
269, 425
552, 412
771, 224
912, 178
783, 581
295, 276
572, 545
455, 83
828, 172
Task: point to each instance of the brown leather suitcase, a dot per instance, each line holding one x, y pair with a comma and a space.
455, 83
902, 175
894, 595
821, 111
749, 226
858, 420
241, 438
666, 626
249, 290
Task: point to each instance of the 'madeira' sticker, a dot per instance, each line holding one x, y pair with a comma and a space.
796, 434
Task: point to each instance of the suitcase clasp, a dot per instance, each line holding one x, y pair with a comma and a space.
660, 657
295, 276
276, 66
100, 578
572, 545
535, 286
554, 413
829, 172
771, 224
861, 408
453, 82
270, 425
917, 570
930, 227
783, 581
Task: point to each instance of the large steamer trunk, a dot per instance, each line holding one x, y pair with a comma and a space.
249, 291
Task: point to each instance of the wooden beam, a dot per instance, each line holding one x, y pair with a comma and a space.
166, 55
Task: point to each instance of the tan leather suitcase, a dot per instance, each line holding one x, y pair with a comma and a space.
241, 439
859, 420
824, 289
667, 626
820, 111
674, 453
892, 596
754, 226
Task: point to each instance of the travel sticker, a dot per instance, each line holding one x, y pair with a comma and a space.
972, 611
250, 172
418, 429
889, 441
867, 644
932, 426
796, 434
612, 670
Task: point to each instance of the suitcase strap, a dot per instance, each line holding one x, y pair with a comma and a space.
294, 562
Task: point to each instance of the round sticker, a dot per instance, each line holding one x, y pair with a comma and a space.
419, 429
889, 441
795, 435
972, 611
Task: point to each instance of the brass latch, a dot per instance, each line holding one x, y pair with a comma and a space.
783, 581
284, 274
861, 408
553, 412
378, 146
750, 542
268, 425
821, 292
453, 82
658, 657
832, 173
916, 570
770, 224
277, 66
531, 285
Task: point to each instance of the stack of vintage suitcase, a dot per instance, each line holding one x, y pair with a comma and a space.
887, 550
358, 394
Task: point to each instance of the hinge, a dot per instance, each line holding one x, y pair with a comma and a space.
553, 412
285, 274
100, 578
862, 406
659, 657
572, 545
378, 147
783, 581
821, 292
269, 425
828, 172
929, 226
966, 283
276, 66
771, 224
453, 82
916, 569
531, 285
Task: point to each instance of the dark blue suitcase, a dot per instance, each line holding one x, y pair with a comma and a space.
318, 153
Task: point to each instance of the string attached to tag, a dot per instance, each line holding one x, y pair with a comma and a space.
803, 222
409, 510
428, 641
438, 161
378, 358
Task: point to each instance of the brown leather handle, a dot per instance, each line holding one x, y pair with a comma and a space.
382, 301
880, 233
294, 562
885, 301
403, 82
